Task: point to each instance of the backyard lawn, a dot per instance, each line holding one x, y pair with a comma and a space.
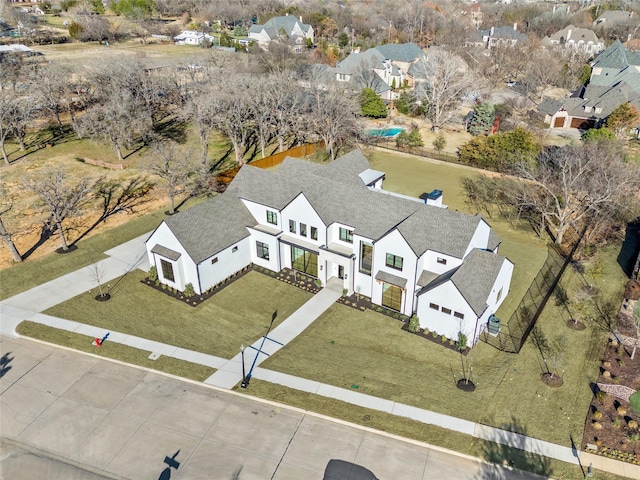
239, 314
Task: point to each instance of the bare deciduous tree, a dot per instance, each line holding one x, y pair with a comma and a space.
172, 166
61, 198
333, 118
445, 79
5, 206
571, 185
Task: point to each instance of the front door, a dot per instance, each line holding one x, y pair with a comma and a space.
341, 272
391, 296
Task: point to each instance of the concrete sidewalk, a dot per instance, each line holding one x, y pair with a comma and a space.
28, 305
122, 260
230, 373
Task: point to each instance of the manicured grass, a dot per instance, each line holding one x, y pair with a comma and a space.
431, 434
116, 351
346, 347
237, 315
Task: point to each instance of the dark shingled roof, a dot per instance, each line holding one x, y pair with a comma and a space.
166, 252
211, 226
336, 193
400, 52
387, 277
474, 278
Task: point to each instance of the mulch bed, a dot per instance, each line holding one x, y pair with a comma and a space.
297, 279
362, 303
196, 299
607, 426
552, 380
576, 325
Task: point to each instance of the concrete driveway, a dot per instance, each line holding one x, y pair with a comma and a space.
67, 415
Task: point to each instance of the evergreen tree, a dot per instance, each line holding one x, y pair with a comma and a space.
482, 120
371, 104
622, 120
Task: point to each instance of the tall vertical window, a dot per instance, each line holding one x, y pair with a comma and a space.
499, 295
314, 233
366, 257
394, 261
167, 270
346, 235
272, 217
303, 229
262, 249
292, 226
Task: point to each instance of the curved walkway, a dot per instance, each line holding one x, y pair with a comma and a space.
130, 255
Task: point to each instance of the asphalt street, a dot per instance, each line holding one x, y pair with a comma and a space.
67, 415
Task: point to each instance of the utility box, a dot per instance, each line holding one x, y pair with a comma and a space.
493, 325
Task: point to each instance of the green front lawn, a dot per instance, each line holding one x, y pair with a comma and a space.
237, 315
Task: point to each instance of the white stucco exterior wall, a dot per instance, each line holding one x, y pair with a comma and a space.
300, 211
480, 238
447, 324
394, 243
229, 262
184, 270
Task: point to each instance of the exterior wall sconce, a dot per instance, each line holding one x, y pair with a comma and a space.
320, 267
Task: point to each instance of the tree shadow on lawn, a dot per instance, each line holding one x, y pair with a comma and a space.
630, 247
503, 458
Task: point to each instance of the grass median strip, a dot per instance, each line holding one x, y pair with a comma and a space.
115, 351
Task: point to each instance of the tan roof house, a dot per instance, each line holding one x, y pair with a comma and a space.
574, 39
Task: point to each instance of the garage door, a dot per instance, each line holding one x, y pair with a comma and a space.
558, 122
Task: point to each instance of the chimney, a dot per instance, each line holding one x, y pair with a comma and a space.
491, 33
569, 34
515, 26
301, 19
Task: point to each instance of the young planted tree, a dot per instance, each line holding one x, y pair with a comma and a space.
62, 198
439, 143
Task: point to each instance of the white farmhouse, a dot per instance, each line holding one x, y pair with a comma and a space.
192, 37
334, 222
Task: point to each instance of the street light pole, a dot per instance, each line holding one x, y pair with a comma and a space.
244, 383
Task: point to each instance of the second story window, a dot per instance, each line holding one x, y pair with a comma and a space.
303, 229
346, 235
272, 217
394, 261
314, 233
292, 226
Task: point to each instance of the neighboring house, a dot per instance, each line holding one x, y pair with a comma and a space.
382, 68
16, 48
287, 25
614, 17
574, 39
474, 14
334, 222
497, 37
192, 37
615, 79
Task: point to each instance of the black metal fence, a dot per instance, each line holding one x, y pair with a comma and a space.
390, 143
514, 332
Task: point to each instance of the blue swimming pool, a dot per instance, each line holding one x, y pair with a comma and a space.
384, 132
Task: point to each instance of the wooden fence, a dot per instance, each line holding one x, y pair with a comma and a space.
278, 158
